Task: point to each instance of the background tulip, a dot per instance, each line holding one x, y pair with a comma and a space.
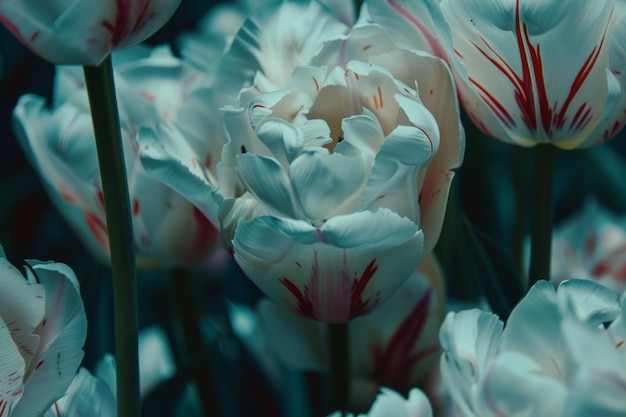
528, 72
152, 86
83, 32
535, 366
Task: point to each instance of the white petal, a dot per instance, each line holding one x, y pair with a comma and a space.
276, 38
533, 329
11, 371
62, 334
327, 185
333, 273
394, 181
266, 179
22, 307
363, 135
390, 403
588, 301
470, 340
167, 156
86, 396
516, 385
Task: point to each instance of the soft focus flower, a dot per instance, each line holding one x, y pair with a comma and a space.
391, 404
59, 141
546, 361
528, 72
338, 164
83, 32
591, 244
95, 395
396, 346
42, 332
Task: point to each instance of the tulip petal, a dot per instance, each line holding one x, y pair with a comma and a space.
437, 92
516, 385
11, 371
167, 156
22, 306
470, 340
588, 301
268, 181
327, 185
86, 396
363, 135
333, 273
401, 161
62, 334
533, 329
298, 30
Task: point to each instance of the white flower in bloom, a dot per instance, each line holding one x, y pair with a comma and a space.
547, 360
391, 404
152, 86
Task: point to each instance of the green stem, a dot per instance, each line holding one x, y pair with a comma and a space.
541, 232
519, 156
339, 366
101, 91
194, 345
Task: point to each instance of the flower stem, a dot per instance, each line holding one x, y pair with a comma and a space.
194, 345
101, 91
541, 232
339, 366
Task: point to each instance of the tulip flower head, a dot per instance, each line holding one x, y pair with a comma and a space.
152, 86
559, 354
42, 332
591, 244
83, 32
333, 181
528, 72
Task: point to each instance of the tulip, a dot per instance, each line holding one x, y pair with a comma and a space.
153, 85
42, 332
527, 72
591, 244
546, 360
390, 403
395, 346
83, 32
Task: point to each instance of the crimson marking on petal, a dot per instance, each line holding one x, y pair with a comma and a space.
496, 107
150, 97
380, 95
395, 363
305, 306
39, 364
100, 196
299, 264
317, 86
98, 229
208, 161
3, 406
135, 207
619, 344
204, 236
556, 366
432, 148
358, 306
432, 41
457, 53
34, 36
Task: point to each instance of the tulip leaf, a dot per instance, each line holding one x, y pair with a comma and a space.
495, 273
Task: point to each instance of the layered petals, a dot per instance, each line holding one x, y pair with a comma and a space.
80, 32
153, 85
333, 272
42, 332
549, 360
